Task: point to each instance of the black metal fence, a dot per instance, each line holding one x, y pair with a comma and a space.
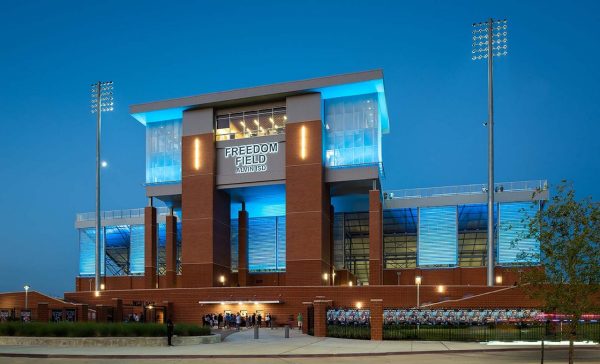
503, 332
362, 332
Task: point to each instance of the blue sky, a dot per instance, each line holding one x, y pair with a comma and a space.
547, 116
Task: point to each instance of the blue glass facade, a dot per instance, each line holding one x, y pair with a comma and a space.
514, 247
437, 237
163, 151
266, 244
352, 130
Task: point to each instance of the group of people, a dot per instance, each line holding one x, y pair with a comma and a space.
237, 320
459, 317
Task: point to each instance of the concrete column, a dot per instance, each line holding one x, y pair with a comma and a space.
43, 314
150, 239
82, 312
243, 246
376, 308
320, 319
118, 310
171, 250
375, 239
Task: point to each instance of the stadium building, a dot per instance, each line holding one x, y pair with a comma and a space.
270, 199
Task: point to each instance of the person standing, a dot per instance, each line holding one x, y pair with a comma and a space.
170, 330
259, 320
300, 320
238, 321
268, 320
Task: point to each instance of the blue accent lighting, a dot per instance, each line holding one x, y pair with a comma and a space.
514, 246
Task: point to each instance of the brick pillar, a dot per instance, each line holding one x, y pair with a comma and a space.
150, 239
335, 280
101, 313
118, 310
376, 308
375, 239
307, 205
206, 248
243, 246
320, 328
171, 250
43, 314
308, 306
82, 312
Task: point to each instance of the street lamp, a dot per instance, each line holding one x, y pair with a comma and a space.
102, 100
489, 41
26, 287
418, 283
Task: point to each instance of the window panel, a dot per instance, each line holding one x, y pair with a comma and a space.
437, 236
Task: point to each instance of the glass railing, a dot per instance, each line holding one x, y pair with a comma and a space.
119, 214
249, 124
534, 185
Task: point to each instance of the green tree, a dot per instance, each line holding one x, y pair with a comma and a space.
568, 278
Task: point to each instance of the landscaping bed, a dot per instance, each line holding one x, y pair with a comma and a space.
92, 329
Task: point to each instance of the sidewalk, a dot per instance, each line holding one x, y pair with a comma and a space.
271, 344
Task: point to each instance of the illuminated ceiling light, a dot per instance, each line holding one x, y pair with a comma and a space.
197, 154
359, 305
303, 142
240, 303
222, 303
255, 122
284, 117
272, 121
243, 124
256, 303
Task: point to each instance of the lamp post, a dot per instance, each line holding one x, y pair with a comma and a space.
102, 100
418, 283
489, 41
26, 287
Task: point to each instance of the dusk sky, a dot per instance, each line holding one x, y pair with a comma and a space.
546, 96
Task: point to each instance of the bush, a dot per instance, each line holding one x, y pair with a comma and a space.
92, 329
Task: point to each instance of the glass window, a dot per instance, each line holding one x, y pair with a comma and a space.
163, 151
252, 123
352, 131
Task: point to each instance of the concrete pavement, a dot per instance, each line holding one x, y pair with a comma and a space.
273, 345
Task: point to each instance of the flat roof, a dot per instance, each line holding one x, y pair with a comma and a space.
362, 82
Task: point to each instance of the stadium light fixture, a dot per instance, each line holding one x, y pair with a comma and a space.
102, 101
489, 41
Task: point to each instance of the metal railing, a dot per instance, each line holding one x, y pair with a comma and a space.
119, 214
473, 189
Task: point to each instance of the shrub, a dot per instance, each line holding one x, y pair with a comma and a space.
92, 329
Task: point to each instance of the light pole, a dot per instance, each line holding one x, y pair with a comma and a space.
489, 41
26, 287
102, 100
418, 283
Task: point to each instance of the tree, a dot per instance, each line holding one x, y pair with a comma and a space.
568, 281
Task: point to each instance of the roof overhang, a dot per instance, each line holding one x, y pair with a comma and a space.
330, 87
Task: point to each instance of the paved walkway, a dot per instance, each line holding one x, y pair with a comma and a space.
271, 344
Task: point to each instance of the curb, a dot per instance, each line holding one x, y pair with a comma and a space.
276, 356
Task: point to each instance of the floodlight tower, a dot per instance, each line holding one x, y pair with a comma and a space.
489, 41
102, 101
